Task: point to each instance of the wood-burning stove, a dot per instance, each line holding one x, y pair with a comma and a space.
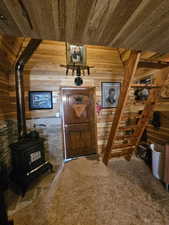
28, 157
28, 161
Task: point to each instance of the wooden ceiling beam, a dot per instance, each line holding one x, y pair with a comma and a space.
152, 64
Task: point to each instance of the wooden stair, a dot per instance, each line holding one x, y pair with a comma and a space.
129, 142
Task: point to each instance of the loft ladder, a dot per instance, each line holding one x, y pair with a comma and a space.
119, 143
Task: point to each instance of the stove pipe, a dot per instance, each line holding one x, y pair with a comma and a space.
19, 69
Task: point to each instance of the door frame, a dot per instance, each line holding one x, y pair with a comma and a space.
62, 114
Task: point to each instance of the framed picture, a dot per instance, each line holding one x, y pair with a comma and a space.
40, 100
76, 54
110, 92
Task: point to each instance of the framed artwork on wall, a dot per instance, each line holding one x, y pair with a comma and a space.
110, 92
76, 54
40, 100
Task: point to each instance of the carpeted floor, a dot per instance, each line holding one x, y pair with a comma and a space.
16, 202
88, 193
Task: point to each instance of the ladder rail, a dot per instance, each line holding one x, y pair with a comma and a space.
129, 72
127, 148
147, 111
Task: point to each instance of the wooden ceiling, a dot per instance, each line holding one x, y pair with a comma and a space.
132, 24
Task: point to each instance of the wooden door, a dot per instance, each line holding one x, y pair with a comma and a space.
79, 122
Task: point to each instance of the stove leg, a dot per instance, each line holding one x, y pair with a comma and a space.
23, 190
3, 212
50, 167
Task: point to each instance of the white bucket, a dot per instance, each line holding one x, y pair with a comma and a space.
157, 163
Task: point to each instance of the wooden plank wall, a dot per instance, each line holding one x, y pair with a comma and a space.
161, 135
8, 52
43, 72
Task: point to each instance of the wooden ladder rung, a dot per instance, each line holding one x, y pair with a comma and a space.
144, 85
128, 127
139, 102
118, 146
128, 116
121, 152
122, 137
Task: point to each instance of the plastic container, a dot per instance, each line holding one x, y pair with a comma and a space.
157, 162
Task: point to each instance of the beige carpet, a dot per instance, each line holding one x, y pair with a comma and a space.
88, 193
16, 202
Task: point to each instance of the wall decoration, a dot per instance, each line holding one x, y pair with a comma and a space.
76, 62
79, 104
40, 100
98, 108
76, 54
110, 92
